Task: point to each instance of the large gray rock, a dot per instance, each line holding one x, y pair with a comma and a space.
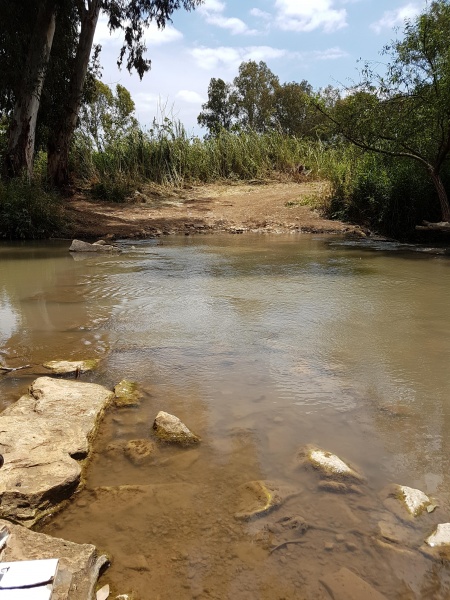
42, 438
79, 564
79, 246
169, 428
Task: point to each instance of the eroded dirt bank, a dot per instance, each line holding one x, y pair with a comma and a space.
256, 206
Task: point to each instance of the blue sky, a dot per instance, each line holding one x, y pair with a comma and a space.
317, 40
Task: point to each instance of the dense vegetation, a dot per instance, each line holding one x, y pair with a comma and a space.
383, 144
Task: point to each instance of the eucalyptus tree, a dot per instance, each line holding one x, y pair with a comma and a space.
132, 17
405, 111
43, 18
254, 89
25, 46
219, 112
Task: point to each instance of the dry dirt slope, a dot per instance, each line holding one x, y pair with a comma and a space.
267, 207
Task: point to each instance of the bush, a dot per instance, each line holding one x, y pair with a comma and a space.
388, 195
27, 211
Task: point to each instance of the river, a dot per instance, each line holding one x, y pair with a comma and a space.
262, 345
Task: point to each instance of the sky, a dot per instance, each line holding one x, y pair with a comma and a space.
322, 41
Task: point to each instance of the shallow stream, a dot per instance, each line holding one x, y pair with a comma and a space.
261, 345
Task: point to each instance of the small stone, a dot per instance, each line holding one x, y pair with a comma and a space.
259, 498
329, 546
415, 500
139, 451
169, 428
329, 464
136, 562
351, 547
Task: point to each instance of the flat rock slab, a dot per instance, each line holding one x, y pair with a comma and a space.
169, 428
345, 585
79, 564
71, 367
42, 438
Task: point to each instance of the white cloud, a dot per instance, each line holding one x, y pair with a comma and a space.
392, 18
260, 14
211, 59
231, 57
329, 54
190, 96
307, 15
212, 11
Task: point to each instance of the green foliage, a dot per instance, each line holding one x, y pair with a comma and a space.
167, 155
405, 111
388, 195
27, 211
256, 101
107, 115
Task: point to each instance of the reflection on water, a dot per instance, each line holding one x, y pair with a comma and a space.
261, 345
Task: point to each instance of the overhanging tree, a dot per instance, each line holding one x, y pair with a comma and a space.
405, 112
132, 17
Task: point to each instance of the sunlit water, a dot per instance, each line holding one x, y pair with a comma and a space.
261, 345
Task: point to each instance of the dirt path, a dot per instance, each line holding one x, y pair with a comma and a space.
259, 207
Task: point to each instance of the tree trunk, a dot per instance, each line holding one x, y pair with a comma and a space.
22, 131
442, 194
61, 137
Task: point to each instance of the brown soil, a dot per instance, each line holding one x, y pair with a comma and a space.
271, 207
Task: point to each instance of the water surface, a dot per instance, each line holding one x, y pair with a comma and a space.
261, 345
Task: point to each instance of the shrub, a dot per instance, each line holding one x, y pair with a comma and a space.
27, 211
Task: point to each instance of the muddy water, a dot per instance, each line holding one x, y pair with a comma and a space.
261, 345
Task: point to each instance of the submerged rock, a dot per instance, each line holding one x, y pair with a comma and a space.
329, 464
126, 393
42, 437
79, 564
79, 246
403, 500
338, 487
140, 451
414, 500
169, 428
71, 367
437, 545
345, 585
259, 498
440, 537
